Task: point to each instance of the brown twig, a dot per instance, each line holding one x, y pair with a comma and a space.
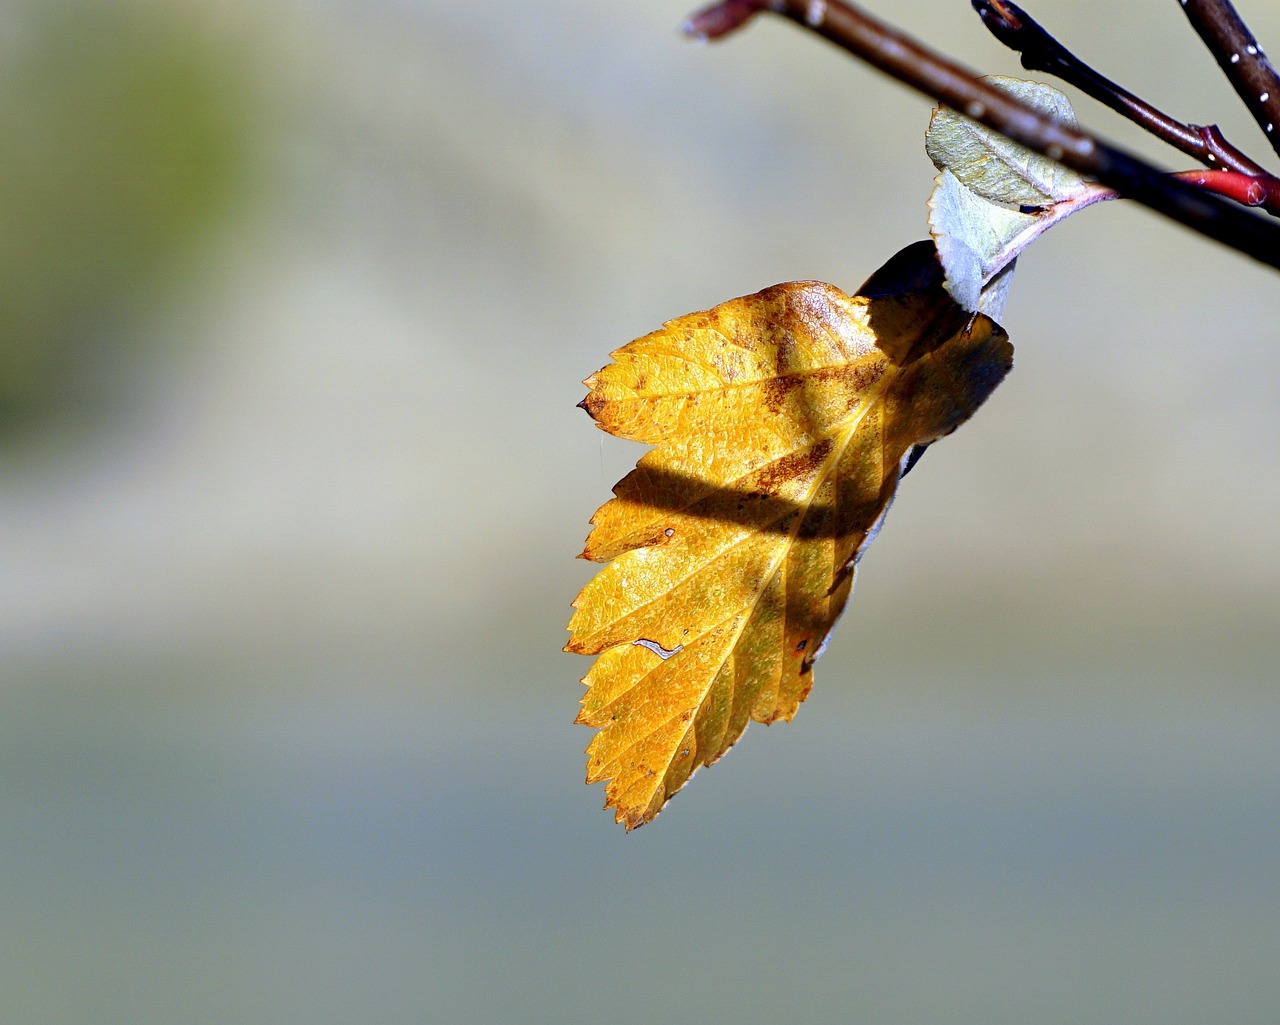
1241, 59
957, 87
1042, 52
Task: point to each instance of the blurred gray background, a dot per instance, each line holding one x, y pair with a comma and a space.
295, 300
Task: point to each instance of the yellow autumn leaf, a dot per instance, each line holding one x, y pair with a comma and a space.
781, 423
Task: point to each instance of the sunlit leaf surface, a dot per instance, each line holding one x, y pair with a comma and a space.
781, 422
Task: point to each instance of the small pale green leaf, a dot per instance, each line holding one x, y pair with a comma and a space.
996, 168
975, 239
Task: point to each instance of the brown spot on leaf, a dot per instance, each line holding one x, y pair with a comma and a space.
777, 389
794, 465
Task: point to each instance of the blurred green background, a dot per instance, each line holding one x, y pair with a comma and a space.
295, 299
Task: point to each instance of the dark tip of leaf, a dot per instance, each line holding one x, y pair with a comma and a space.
914, 457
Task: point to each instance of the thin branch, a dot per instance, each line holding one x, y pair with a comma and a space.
1042, 52
1241, 59
1243, 188
958, 88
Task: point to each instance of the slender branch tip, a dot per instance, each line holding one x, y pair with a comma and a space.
719, 19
